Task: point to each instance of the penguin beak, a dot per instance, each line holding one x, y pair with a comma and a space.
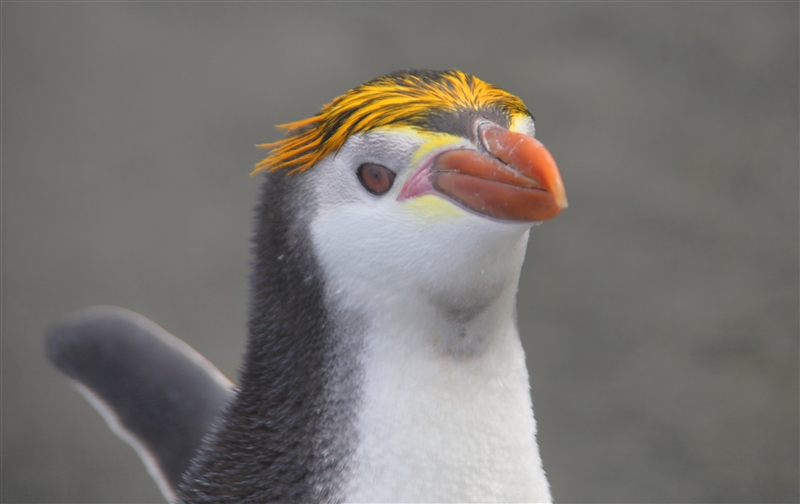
515, 179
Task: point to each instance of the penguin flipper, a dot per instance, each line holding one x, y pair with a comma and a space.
155, 392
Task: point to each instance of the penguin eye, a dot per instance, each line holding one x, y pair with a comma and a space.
375, 178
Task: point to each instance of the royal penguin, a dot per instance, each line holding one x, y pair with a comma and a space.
383, 361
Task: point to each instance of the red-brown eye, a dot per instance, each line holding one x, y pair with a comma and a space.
375, 178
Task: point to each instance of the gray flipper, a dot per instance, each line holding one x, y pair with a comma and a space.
155, 391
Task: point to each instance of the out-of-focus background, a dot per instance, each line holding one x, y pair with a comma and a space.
659, 312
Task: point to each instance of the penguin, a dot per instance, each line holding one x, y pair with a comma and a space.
383, 360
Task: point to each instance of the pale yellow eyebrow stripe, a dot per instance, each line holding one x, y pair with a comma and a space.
433, 142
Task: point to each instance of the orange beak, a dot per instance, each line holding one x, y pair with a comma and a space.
516, 179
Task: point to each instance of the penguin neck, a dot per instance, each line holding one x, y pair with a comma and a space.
445, 410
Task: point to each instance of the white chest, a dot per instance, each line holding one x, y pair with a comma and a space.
435, 427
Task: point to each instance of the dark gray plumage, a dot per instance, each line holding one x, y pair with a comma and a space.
289, 433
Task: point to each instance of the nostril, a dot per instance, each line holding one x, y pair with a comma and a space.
480, 127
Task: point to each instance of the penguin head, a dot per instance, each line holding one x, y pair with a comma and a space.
420, 183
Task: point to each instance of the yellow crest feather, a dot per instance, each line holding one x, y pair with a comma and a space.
400, 99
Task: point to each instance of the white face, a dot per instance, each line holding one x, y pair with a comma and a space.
380, 249
444, 392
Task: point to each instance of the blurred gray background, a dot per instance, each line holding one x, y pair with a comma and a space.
659, 313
